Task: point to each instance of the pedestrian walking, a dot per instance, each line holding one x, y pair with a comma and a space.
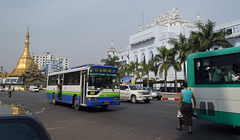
9, 92
185, 106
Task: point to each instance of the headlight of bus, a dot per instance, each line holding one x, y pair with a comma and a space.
92, 99
116, 98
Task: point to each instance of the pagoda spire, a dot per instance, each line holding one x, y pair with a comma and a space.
25, 60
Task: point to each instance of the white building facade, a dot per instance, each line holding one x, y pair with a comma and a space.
143, 44
233, 29
50, 63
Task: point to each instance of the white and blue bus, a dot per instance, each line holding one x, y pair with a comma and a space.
86, 85
217, 90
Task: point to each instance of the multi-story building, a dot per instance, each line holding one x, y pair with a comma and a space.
50, 63
233, 28
143, 44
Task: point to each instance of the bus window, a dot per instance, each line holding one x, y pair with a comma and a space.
217, 70
53, 80
103, 81
72, 78
198, 72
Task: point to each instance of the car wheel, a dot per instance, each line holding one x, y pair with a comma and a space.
133, 99
76, 103
54, 99
159, 98
147, 101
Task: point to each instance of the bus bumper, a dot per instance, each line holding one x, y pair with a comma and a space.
103, 102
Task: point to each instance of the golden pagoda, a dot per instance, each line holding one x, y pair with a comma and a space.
25, 60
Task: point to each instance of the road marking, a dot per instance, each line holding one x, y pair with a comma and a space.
161, 111
43, 100
38, 112
55, 128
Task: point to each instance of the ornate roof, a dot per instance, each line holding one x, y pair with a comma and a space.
25, 60
112, 48
170, 18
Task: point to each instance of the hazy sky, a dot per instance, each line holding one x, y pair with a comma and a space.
82, 30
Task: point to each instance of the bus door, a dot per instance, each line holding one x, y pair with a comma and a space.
60, 83
83, 87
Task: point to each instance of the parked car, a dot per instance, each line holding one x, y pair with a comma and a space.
134, 93
34, 89
18, 123
155, 94
2, 89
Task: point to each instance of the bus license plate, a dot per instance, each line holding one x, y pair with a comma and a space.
106, 102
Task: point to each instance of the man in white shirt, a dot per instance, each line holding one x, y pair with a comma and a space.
233, 74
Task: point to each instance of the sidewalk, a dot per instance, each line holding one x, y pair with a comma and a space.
170, 96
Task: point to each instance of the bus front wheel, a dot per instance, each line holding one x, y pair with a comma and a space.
76, 103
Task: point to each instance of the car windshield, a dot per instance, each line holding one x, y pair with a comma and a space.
103, 81
148, 88
134, 87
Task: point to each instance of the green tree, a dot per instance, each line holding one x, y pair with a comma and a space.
182, 49
171, 61
140, 73
205, 38
160, 58
147, 67
111, 61
133, 67
124, 70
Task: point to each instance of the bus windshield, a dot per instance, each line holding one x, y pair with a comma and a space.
103, 81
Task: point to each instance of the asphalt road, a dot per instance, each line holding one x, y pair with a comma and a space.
154, 121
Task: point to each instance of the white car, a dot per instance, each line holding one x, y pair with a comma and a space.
134, 93
2, 89
34, 89
155, 94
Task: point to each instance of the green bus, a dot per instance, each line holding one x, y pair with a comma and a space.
213, 77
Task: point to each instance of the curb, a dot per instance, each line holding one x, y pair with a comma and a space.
171, 99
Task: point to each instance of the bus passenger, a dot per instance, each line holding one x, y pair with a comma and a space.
186, 107
218, 74
233, 74
60, 91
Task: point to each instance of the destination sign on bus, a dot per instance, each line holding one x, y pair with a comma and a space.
103, 70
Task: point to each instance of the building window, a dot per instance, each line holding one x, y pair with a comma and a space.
143, 57
151, 56
136, 58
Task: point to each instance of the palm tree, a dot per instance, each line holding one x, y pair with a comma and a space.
133, 67
205, 38
111, 61
145, 67
140, 73
160, 58
181, 46
124, 70
171, 61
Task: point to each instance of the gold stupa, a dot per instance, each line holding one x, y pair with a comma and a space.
25, 60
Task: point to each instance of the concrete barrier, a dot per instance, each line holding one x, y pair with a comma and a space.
170, 96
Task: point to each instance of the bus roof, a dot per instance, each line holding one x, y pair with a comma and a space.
215, 53
82, 67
